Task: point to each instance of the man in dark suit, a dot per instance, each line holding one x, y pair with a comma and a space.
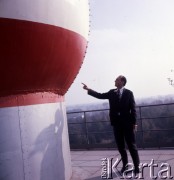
123, 119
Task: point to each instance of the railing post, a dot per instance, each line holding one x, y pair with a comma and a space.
86, 129
142, 130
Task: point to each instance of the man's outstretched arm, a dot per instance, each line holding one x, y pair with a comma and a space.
96, 94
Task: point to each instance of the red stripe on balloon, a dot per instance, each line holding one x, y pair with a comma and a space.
36, 57
30, 99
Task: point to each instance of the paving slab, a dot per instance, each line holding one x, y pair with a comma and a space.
89, 165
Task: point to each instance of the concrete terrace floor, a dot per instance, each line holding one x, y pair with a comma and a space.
87, 165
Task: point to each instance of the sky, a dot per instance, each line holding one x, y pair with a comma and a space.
134, 38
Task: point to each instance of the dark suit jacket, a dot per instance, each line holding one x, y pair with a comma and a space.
122, 111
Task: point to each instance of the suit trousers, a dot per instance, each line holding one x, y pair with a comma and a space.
125, 133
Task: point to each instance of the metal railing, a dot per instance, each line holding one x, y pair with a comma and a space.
91, 129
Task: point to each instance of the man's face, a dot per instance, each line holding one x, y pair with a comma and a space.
118, 82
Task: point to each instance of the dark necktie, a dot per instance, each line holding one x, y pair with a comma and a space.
118, 94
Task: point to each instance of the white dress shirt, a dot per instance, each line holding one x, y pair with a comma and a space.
121, 91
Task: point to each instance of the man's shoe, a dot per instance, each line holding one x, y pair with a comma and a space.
136, 171
124, 168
